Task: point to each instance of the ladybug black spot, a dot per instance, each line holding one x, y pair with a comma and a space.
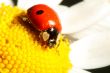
39, 12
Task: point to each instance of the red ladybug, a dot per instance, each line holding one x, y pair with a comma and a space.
45, 19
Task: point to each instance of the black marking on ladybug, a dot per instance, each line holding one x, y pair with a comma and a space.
53, 36
39, 12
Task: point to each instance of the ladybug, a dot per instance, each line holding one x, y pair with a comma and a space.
45, 20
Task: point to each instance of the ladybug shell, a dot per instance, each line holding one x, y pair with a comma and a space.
43, 17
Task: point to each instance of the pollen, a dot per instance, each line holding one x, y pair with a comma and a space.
22, 52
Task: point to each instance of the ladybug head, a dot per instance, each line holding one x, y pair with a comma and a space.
50, 36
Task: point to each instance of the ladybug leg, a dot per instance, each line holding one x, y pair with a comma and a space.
24, 18
40, 35
71, 39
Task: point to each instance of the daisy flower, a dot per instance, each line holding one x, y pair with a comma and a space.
86, 25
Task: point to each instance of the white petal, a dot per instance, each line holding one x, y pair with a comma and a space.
103, 25
83, 15
77, 70
25, 4
96, 1
60, 9
92, 51
7, 2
